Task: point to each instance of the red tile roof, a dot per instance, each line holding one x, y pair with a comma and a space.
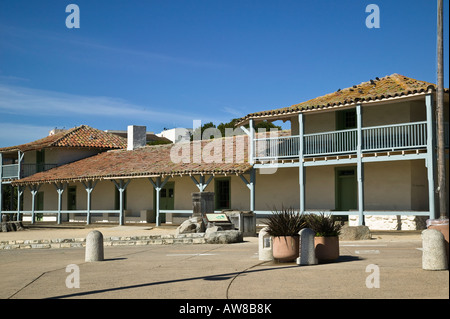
394, 85
81, 136
151, 161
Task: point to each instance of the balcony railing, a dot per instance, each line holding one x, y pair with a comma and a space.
330, 143
392, 137
376, 138
277, 147
10, 171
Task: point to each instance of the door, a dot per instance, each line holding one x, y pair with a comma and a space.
72, 198
222, 193
346, 189
166, 199
40, 161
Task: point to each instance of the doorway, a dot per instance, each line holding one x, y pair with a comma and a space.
72, 198
222, 193
346, 188
166, 199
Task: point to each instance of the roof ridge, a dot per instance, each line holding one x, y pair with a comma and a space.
399, 79
66, 133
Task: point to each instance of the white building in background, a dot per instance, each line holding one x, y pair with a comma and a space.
177, 134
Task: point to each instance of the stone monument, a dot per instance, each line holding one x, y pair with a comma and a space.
202, 203
265, 249
307, 254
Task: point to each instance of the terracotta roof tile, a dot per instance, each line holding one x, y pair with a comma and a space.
81, 136
151, 161
394, 85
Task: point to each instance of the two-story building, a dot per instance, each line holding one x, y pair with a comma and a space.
60, 147
367, 152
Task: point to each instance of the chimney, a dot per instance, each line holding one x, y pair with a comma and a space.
136, 137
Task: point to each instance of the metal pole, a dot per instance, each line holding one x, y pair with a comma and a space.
440, 113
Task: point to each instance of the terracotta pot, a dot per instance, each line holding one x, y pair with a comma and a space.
286, 248
326, 248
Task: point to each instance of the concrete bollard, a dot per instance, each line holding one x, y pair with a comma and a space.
265, 251
94, 246
434, 256
307, 254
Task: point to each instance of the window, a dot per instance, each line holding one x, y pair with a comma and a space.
346, 119
222, 193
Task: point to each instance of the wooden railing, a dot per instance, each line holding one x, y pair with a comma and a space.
375, 138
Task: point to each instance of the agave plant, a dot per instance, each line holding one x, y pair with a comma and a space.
286, 222
323, 225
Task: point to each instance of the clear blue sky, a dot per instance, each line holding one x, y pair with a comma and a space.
166, 63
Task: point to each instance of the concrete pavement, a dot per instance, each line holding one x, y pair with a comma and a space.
388, 266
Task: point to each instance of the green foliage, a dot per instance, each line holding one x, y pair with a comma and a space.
323, 225
286, 222
231, 125
159, 142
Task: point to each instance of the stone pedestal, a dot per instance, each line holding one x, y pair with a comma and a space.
442, 226
307, 255
202, 203
244, 221
94, 246
265, 246
434, 256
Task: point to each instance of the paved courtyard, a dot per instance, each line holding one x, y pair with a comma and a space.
387, 266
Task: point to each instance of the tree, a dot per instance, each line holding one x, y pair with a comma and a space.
231, 125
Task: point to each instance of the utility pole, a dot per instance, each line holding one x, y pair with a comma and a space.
440, 111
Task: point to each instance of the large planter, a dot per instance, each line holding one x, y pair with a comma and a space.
326, 248
286, 248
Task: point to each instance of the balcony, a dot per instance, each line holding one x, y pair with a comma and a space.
10, 171
373, 139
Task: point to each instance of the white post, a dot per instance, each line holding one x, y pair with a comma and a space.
301, 168
360, 168
430, 155
60, 187
158, 185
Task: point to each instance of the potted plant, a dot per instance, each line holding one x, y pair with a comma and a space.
284, 227
327, 231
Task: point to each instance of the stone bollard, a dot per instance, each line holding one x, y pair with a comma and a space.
434, 256
441, 224
265, 251
94, 246
307, 254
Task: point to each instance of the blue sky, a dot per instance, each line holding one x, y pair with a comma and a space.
166, 63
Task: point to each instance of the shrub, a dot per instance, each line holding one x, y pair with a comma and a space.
323, 225
286, 222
